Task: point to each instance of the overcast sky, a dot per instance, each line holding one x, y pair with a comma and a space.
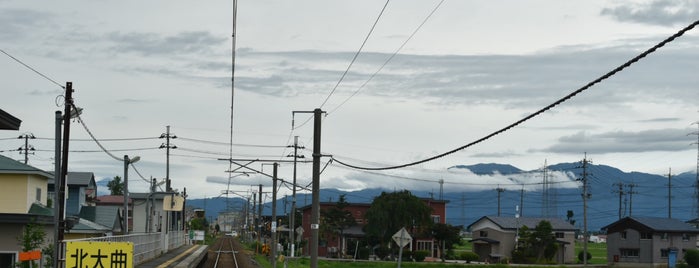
471, 69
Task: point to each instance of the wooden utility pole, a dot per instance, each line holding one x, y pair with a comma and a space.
621, 194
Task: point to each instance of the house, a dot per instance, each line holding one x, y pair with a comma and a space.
332, 246
117, 201
9, 122
22, 201
146, 204
494, 237
96, 222
632, 241
81, 191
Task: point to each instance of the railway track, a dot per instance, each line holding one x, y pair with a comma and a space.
227, 252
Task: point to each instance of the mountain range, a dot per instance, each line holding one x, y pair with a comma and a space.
642, 195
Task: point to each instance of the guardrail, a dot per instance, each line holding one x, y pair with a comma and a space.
147, 246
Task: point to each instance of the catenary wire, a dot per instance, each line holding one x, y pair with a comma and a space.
344, 74
82, 122
541, 111
232, 144
389, 58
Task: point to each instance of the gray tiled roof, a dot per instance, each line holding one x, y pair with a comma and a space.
11, 166
103, 215
513, 223
659, 224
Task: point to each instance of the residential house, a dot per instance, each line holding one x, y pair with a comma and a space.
494, 238
9, 122
333, 246
117, 201
635, 241
148, 212
81, 191
96, 221
22, 201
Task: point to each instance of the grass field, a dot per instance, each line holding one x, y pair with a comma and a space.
598, 251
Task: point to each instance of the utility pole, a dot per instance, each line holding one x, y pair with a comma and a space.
696, 182
273, 226
167, 136
520, 210
259, 216
292, 216
63, 176
621, 194
441, 189
585, 196
56, 196
315, 206
499, 190
669, 194
25, 150
630, 192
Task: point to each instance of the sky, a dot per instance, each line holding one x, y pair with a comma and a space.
413, 91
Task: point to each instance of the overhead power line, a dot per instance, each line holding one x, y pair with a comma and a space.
32, 69
550, 106
233, 144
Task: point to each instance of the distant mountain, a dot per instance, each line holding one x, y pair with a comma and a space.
490, 169
643, 195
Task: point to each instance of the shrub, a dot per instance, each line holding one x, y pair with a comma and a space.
382, 252
468, 256
580, 256
364, 253
691, 256
420, 255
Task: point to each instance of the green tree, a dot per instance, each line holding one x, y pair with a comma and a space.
198, 224
447, 235
336, 218
32, 238
691, 256
116, 186
536, 244
390, 212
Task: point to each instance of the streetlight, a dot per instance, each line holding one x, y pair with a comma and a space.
127, 161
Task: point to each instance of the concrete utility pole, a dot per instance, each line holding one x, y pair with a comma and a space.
669, 194
585, 196
621, 194
63, 176
520, 209
274, 216
25, 150
630, 193
499, 190
167, 136
259, 216
292, 216
315, 206
56, 182
696, 182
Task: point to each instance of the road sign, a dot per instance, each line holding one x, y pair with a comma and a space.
99, 254
173, 203
30, 255
402, 237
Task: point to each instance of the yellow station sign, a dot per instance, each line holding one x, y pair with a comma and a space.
83, 254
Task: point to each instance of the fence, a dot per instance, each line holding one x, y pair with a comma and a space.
146, 246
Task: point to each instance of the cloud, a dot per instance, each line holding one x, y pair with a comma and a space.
20, 23
623, 142
148, 44
656, 12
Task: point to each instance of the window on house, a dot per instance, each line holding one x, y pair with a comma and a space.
685, 237
623, 235
483, 233
646, 235
560, 235
435, 218
629, 252
38, 195
424, 245
663, 236
663, 253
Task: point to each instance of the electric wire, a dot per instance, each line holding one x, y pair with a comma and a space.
344, 74
82, 122
541, 111
32, 69
231, 144
389, 58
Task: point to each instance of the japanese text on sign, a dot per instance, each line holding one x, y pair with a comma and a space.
99, 254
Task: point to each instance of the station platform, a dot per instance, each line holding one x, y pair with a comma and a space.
187, 256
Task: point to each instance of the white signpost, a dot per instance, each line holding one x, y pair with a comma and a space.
402, 238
